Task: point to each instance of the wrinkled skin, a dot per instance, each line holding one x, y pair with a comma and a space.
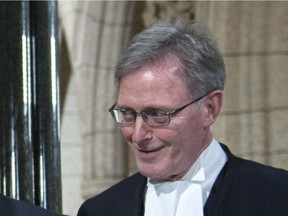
166, 153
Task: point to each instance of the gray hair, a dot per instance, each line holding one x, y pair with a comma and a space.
191, 43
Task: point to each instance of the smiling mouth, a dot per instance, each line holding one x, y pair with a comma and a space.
147, 151
148, 156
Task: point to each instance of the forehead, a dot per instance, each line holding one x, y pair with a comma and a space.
168, 67
154, 83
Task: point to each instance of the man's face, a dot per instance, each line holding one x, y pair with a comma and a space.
164, 152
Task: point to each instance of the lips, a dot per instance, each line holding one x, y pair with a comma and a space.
150, 150
149, 154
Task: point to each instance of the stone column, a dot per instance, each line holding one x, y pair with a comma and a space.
95, 33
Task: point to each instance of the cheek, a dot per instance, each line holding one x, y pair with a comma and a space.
187, 132
126, 131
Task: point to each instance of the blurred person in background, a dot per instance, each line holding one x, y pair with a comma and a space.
12, 207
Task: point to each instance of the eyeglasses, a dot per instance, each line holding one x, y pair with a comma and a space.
153, 117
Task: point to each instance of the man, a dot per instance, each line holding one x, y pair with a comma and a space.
11, 207
170, 91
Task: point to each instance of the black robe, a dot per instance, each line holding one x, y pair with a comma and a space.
243, 188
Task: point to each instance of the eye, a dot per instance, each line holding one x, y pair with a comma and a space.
127, 116
126, 112
157, 117
155, 113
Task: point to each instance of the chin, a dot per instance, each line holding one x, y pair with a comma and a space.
154, 174
149, 171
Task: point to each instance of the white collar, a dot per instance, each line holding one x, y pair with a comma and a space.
201, 175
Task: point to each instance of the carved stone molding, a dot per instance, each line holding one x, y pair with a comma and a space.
168, 10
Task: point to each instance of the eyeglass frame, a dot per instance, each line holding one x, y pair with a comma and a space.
142, 113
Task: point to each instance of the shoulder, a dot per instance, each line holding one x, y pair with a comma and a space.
248, 169
267, 179
130, 189
247, 180
249, 188
12, 207
128, 185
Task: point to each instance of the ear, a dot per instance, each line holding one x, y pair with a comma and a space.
213, 104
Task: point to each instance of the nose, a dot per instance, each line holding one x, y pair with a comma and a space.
142, 131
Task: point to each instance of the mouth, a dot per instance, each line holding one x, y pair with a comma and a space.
150, 154
150, 150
